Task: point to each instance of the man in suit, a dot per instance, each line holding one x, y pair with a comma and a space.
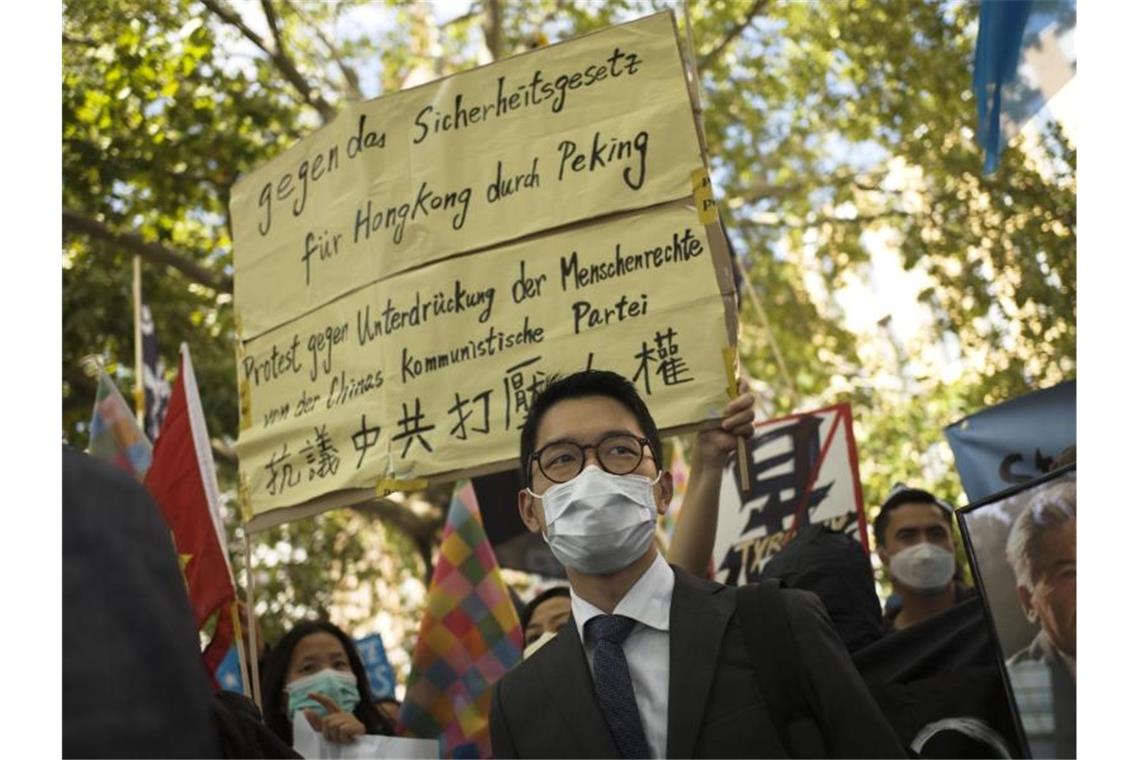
654, 661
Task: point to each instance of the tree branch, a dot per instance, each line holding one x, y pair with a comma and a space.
802, 225
764, 191
282, 61
711, 56
274, 27
493, 28
75, 222
462, 17
421, 531
351, 79
85, 42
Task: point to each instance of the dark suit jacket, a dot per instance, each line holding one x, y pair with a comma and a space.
133, 680
545, 707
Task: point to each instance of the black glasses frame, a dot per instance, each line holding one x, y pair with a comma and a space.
535, 457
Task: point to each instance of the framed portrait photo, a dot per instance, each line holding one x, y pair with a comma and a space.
1022, 548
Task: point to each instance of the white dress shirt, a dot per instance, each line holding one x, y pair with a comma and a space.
646, 648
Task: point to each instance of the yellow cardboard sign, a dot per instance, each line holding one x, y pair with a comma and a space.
412, 275
432, 372
594, 125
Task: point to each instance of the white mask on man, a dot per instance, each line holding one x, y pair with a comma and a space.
599, 522
923, 567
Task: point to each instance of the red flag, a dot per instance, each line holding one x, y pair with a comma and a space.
182, 480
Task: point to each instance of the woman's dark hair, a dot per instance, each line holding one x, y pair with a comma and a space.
274, 704
533, 604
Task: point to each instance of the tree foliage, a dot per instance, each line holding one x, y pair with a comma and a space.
831, 128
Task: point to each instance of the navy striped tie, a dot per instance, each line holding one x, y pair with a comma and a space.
613, 684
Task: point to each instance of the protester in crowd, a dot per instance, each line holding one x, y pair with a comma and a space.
133, 680
315, 668
657, 661
835, 567
914, 536
544, 616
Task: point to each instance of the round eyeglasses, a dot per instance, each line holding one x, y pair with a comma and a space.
617, 453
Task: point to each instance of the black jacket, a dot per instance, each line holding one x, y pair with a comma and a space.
546, 707
133, 680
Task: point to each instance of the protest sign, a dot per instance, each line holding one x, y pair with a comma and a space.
1014, 442
803, 467
314, 746
1022, 549
381, 678
590, 126
383, 362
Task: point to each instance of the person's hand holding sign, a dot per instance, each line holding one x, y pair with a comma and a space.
713, 447
336, 725
693, 538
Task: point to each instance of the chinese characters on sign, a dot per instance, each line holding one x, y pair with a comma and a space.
804, 467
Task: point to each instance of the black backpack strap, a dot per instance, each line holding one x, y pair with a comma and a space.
779, 667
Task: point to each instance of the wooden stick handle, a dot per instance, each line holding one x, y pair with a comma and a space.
742, 465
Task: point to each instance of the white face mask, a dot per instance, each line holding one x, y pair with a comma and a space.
598, 522
923, 567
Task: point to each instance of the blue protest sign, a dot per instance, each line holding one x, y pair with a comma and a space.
381, 677
1014, 442
228, 674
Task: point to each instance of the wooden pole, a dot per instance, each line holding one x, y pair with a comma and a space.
768, 330
251, 623
695, 93
695, 82
235, 617
140, 392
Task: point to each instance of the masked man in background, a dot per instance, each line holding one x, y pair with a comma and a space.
915, 542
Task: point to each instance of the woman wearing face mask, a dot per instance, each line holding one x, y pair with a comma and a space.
315, 668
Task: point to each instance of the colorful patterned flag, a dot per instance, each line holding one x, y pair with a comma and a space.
469, 637
115, 435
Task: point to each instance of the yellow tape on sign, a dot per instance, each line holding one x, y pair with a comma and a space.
702, 196
244, 498
388, 485
246, 411
729, 355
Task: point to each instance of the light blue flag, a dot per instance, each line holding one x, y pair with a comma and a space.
1025, 52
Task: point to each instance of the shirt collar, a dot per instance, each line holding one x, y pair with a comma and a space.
647, 600
1052, 652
